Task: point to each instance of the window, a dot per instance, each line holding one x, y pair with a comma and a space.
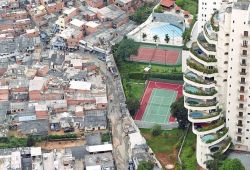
227, 35
245, 33
244, 43
242, 80
242, 88
244, 52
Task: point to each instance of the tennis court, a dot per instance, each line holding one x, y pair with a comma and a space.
158, 107
158, 55
156, 101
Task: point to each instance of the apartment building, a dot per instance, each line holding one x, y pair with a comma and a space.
216, 82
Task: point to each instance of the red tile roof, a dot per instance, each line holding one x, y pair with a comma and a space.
167, 3
177, 8
186, 13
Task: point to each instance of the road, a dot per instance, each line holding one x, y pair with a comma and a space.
114, 114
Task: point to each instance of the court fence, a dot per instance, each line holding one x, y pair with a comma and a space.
149, 125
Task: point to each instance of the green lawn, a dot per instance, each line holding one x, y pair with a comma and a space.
190, 5
166, 142
188, 155
130, 67
137, 89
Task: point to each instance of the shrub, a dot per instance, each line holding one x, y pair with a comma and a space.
106, 137
156, 130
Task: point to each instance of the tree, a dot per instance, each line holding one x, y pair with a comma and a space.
179, 2
155, 37
31, 141
232, 164
132, 105
144, 35
167, 38
180, 112
159, 9
216, 161
156, 130
146, 165
125, 49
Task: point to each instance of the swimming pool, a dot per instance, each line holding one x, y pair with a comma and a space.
191, 89
163, 29
208, 137
196, 114
192, 75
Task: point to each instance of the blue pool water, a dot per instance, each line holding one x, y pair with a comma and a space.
191, 74
208, 137
196, 114
191, 88
169, 29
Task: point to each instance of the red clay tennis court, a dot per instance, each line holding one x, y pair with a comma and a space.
154, 55
156, 107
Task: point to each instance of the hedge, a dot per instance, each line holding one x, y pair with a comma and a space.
66, 136
144, 76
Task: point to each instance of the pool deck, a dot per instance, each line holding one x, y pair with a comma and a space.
177, 41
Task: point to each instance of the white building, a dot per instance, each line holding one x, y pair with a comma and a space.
216, 81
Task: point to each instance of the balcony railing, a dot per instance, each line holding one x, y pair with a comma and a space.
242, 82
239, 133
202, 57
198, 80
243, 64
243, 73
203, 42
195, 104
207, 115
243, 55
244, 45
201, 68
225, 144
242, 91
213, 22
200, 92
219, 135
242, 100
211, 35
211, 126
239, 124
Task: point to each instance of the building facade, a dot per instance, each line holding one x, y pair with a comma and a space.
216, 81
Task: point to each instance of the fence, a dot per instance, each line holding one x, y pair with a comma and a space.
148, 125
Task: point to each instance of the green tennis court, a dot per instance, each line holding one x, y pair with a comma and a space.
158, 107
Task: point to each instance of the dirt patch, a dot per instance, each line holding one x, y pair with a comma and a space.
167, 158
60, 144
147, 136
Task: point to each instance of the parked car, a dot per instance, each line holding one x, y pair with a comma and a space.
69, 129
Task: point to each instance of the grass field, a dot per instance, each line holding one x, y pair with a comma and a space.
188, 155
164, 145
130, 67
135, 88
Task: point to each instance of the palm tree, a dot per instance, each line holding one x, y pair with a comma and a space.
167, 38
144, 35
155, 37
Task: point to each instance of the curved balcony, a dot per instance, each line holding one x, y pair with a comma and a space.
200, 69
200, 105
206, 128
210, 35
197, 54
194, 92
209, 49
203, 117
214, 138
197, 81
214, 21
221, 146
